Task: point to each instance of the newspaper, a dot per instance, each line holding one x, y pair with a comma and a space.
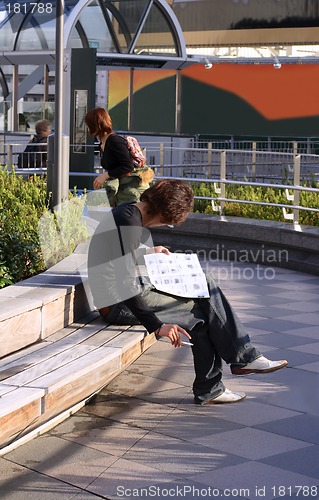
177, 274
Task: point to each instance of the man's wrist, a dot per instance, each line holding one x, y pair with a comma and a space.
157, 332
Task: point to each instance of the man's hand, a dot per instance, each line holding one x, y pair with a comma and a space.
160, 249
99, 181
173, 332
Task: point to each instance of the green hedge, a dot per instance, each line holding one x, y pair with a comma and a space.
264, 194
23, 204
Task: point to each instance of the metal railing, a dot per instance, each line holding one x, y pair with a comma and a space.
245, 167
279, 171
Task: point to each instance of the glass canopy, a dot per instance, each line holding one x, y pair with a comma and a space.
129, 26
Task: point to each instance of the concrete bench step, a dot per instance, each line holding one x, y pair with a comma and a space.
44, 380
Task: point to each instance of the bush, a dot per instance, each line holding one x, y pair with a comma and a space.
23, 202
263, 194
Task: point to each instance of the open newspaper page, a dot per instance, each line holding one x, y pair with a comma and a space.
177, 273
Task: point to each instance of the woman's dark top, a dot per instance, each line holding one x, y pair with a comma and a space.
112, 259
116, 158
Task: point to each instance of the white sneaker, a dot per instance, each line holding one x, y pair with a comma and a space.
259, 365
226, 397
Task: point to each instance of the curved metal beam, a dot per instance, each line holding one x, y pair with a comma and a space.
162, 5
176, 27
4, 85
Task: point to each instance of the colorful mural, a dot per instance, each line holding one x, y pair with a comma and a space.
232, 99
154, 100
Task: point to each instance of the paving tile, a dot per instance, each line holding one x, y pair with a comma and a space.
247, 318
298, 279
283, 340
190, 425
300, 306
134, 384
145, 364
173, 397
250, 443
99, 433
135, 412
300, 426
182, 458
128, 476
298, 391
304, 461
21, 483
263, 312
308, 332
182, 375
306, 318
63, 460
267, 350
266, 301
243, 479
291, 295
258, 387
106, 404
312, 367
250, 413
311, 348
277, 324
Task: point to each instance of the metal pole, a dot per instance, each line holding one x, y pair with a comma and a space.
210, 160
222, 177
58, 152
254, 158
161, 159
296, 191
130, 101
14, 102
178, 102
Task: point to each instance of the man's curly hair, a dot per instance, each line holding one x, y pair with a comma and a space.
171, 198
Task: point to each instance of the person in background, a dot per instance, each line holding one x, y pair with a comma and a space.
35, 154
122, 181
123, 296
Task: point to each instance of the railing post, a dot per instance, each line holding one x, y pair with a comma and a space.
296, 191
162, 159
9, 162
2, 150
210, 160
222, 177
253, 160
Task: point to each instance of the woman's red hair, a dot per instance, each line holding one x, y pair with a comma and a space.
98, 122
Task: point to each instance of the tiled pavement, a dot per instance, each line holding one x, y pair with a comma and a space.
143, 437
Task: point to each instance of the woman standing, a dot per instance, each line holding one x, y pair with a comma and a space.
123, 182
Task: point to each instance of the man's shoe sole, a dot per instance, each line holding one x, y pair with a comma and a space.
247, 371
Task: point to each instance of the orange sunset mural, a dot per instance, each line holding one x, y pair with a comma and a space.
234, 99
